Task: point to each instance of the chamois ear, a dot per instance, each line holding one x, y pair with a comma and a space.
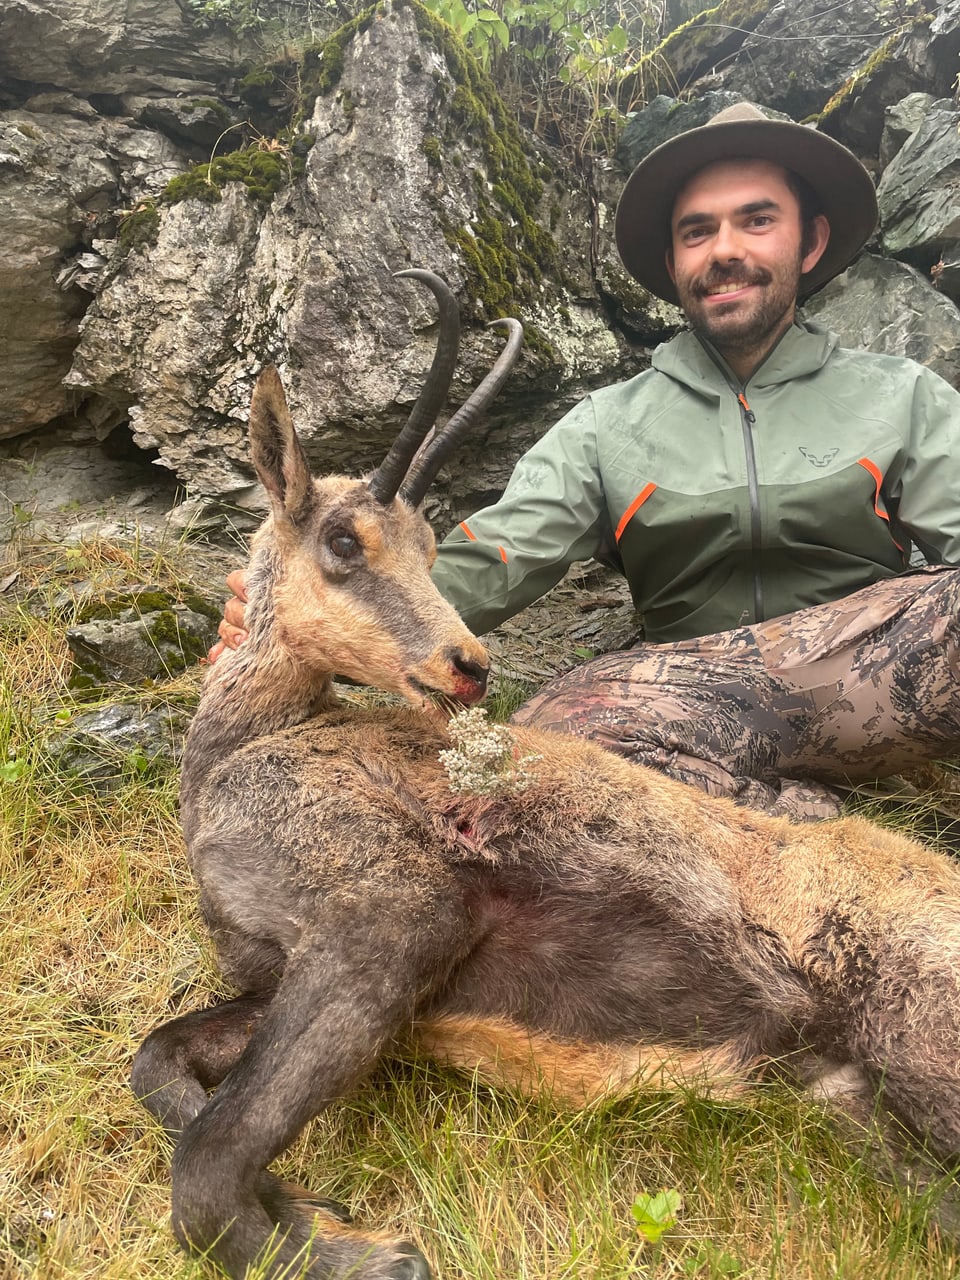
276, 449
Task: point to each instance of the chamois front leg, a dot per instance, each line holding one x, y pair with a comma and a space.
350, 989
182, 1059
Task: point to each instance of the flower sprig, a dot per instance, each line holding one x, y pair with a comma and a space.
483, 760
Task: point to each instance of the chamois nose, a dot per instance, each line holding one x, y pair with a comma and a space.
475, 672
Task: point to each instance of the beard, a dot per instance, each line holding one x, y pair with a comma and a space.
742, 326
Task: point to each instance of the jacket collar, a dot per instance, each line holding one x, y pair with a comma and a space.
803, 349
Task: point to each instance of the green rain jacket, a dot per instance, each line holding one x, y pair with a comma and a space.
725, 504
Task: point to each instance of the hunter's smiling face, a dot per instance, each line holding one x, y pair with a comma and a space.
738, 253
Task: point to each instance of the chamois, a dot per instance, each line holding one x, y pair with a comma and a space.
598, 929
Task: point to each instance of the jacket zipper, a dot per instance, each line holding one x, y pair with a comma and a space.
747, 419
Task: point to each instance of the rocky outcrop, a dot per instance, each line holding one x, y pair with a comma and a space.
803, 51
919, 192
890, 307
131, 302
75, 151
407, 167
110, 48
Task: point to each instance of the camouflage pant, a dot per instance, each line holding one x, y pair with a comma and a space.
838, 693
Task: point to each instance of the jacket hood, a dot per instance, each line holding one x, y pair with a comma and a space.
803, 349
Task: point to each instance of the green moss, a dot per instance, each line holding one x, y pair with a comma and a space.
504, 248
139, 229
690, 49
215, 107
263, 172
431, 149
145, 600
165, 630
259, 86
859, 79
82, 681
195, 184
322, 63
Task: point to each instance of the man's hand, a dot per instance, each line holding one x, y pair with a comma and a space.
231, 630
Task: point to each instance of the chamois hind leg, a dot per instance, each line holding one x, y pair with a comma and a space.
903, 1084
907, 1033
342, 998
503, 1053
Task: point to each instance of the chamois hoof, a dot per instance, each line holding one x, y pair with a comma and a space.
412, 1267
333, 1207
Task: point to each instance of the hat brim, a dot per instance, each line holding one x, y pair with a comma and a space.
844, 187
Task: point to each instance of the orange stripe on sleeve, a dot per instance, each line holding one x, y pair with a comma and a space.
876, 475
473, 537
874, 471
633, 508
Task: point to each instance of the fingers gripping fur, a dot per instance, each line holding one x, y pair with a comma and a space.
505, 1054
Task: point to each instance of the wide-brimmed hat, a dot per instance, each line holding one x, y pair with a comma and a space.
844, 187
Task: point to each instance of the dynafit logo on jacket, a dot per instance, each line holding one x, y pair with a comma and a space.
823, 460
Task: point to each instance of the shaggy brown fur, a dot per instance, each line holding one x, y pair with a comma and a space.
605, 929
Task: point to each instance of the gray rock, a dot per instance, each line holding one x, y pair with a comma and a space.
665, 117
55, 178
890, 308
900, 120
919, 193
137, 648
179, 333
857, 115
195, 122
104, 747
942, 48
115, 46
804, 50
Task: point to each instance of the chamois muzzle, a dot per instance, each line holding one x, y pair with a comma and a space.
472, 681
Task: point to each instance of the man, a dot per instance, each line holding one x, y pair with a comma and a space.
756, 470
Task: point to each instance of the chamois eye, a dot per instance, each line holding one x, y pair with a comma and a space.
344, 546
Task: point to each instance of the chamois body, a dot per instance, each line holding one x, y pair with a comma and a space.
604, 928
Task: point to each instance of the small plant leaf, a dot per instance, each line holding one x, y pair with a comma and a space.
656, 1214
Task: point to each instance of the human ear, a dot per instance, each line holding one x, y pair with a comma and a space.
820, 235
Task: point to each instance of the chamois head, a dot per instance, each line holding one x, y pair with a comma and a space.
352, 593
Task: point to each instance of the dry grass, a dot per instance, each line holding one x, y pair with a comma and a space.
99, 940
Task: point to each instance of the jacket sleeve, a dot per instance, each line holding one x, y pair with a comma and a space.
552, 513
928, 491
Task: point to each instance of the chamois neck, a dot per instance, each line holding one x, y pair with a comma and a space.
257, 689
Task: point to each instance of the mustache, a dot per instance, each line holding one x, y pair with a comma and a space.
718, 276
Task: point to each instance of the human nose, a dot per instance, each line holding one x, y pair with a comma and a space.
727, 243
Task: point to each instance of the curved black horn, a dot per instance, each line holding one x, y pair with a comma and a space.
425, 468
388, 477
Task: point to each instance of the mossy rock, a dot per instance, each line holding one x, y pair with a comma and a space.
262, 170
139, 229
708, 38
138, 647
